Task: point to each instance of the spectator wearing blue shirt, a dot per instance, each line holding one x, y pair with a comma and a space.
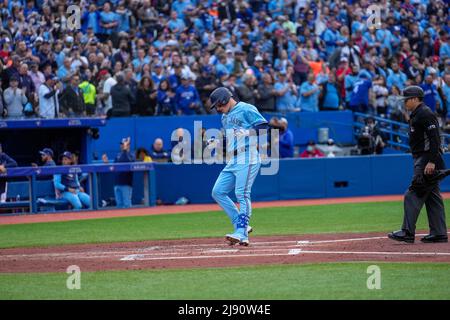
286, 141
108, 21
309, 92
140, 60
158, 73
396, 77
431, 97
221, 67
175, 24
64, 72
444, 50
359, 101
395, 40
123, 17
180, 6
285, 94
165, 99
349, 82
187, 98
332, 38
275, 8
158, 153
91, 19
175, 78
258, 68
329, 95
446, 92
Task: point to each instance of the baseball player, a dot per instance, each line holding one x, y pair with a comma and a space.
425, 143
238, 120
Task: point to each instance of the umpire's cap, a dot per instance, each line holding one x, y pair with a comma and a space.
412, 92
221, 95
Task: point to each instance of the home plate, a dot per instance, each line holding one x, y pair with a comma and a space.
132, 257
293, 252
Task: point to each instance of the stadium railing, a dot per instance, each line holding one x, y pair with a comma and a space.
392, 130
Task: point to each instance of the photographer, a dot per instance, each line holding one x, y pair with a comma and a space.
370, 140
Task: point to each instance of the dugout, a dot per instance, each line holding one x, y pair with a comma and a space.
23, 139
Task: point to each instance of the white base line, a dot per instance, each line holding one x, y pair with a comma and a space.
380, 253
208, 257
106, 254
289, 253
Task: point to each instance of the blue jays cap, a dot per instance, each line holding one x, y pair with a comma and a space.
46, 152
220, 96
67, 154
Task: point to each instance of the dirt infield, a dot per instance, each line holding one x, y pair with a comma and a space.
215, 252
69, 216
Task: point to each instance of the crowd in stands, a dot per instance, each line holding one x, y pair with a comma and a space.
164, 57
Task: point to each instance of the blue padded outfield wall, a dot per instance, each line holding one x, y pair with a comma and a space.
298, 179
144, 130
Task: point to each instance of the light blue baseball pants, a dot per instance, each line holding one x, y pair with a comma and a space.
239, 177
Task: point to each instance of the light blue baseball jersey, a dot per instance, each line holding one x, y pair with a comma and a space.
237, 123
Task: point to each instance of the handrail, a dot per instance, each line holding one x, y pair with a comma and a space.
388, 128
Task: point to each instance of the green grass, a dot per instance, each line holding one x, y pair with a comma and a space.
320, 281
355, 217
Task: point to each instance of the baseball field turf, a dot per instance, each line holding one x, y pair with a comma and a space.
400, 280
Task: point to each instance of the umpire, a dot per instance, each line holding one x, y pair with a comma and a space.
425, 144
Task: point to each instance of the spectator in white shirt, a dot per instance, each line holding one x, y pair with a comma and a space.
36, 75
48, 97
105, 96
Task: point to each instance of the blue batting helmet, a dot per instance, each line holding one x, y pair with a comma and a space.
221, 95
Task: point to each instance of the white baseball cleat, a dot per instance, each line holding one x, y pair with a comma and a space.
249, 229
244, 242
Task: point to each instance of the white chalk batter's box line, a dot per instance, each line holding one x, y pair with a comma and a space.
292, 252
272, 245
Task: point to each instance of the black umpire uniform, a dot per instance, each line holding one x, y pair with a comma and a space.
425, 144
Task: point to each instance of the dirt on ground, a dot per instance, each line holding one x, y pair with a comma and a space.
215, 252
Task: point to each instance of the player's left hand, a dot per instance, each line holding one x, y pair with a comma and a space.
429, 169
